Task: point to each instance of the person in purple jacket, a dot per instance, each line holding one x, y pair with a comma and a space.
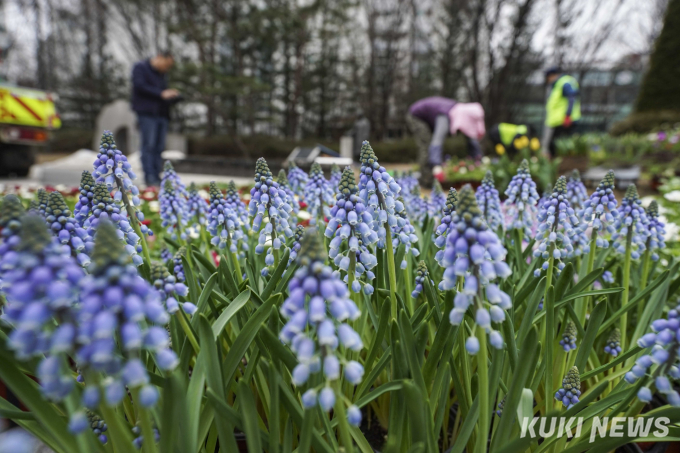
432, 119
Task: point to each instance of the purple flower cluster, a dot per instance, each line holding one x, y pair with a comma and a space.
568, 341
336, 176
120, 314
403, 233
407, 181
557, 228
178, 266
173, 210
67, 230
632, 217
105, 209
83, 207
442, 230
166, 254
571, 388
224, 224
415, 205
318, 195
522, 198
489, 202
664, 341
197, 209
42, 198
235, 203
170, 290
268, 200
599, 211
422, 275
317, 309
437, 200
283, 184
576, 191
349, 227
11, 211
297, 179
656, 238
613, 345
474, 253
295, 248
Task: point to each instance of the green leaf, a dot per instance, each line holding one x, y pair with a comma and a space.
173, 412
249, 411
203, 261
526, 405
203, 298
531, 308
467, 427
227, 281
234, 307
387, 387
194, 290
620, 359
594, 293
585, 282
564, 280
277, 349
420, 418
596, 317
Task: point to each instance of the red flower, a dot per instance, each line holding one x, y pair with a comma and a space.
303, 205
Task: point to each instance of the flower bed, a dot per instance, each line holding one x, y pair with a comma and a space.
394, 321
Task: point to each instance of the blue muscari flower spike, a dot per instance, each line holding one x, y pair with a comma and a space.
442, 230
403, 233
557, 226
664, 343
422, 275
285, 185
599, 211
379, 192
170, 289
437, 200
547, 195
166, 254
316, 310
336, 175
268, 200
297, 179
42, 198
501, 406
613, 345
83, 208
407, 181
318, 194
120, 314
656, 238
235, 203
489, 202
349, 227
632, 217
224, 224
112, 168
295, 248
474, 252
568, 341
521, 201
178, 266
11, 211
105, 209
417, 207
67, 230
197, 210
608, 277
169, 174
576, 191
41, 283
172, 211
571, 388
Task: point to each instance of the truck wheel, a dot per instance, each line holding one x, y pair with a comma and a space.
16, 160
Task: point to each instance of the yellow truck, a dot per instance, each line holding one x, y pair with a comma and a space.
27, 117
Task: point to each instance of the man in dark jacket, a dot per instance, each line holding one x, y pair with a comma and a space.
151, 100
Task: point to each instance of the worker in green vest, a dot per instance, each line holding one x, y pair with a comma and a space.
510, 138
563, 107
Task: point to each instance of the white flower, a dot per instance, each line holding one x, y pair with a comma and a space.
673, 196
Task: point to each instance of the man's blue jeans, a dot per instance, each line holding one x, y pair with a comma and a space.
153, 130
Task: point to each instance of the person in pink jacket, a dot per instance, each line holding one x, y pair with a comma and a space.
432, 119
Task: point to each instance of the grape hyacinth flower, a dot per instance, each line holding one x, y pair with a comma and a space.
608, 277
664, 344
41, 286
224, 223
571, 388
83, 208
11, 211
416, 207
97, 425
521, 202
599, 211
576, 191
407, 181
474, 252
318, 195
422, 275
350, 224
169, 174
105, 209
166, 254
437, 200
336, 176
197, 209
557, 228
236, 204
316, 310
178, 266
170, 290
295, 248
613, 345
489, 202
269, 201
67, 230
120, 315
568, 341
297, 179
632, 217
547, 195
172, 211
283, 184
442, 230
501, 406
112, 168
42, 198
656, 239
404, 234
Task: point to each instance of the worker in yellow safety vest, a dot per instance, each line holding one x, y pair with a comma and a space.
563, 107
510, 138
